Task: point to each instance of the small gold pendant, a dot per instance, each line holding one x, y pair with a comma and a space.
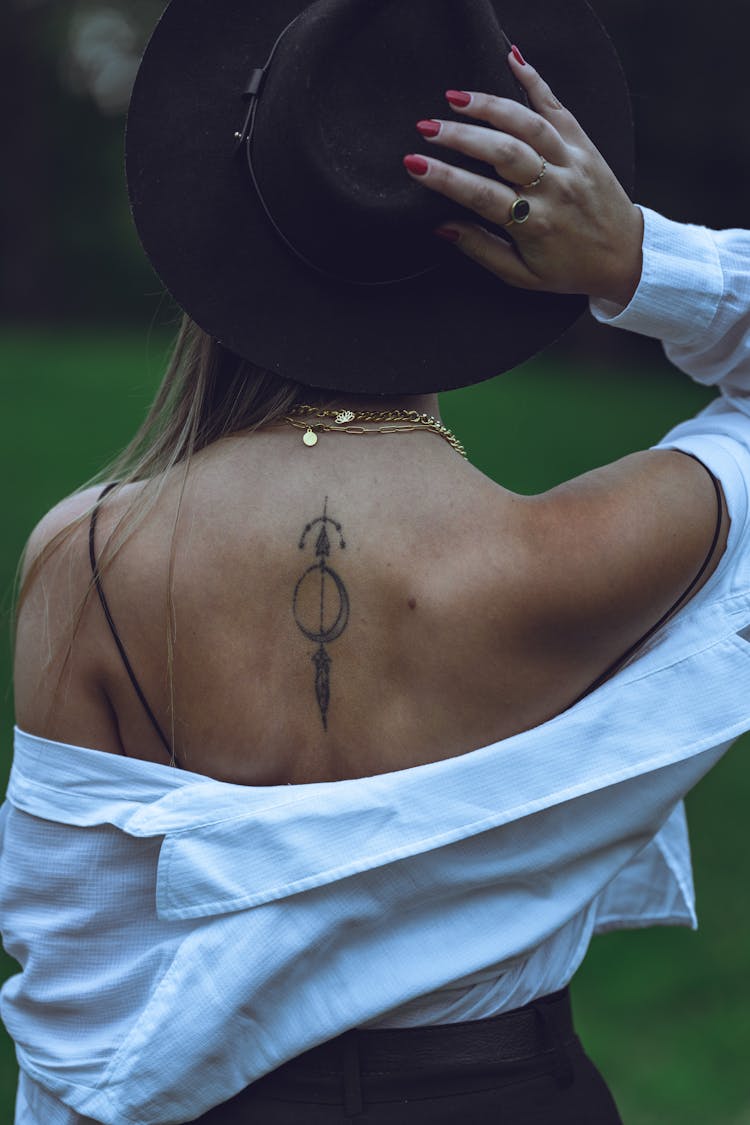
344, 417
310, 438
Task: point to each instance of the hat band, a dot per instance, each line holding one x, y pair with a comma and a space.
244, 139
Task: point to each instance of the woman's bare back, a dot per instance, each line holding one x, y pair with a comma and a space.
366, 606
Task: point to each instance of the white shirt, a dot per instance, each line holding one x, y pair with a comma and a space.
180, 937
694, 295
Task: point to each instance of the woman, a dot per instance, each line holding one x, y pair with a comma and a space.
347, 618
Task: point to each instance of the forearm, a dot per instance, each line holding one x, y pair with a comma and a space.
694, 295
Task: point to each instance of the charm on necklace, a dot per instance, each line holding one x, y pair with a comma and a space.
401, 421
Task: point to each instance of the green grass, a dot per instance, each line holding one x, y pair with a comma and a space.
663, 1012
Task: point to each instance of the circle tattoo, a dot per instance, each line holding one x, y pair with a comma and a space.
321, 604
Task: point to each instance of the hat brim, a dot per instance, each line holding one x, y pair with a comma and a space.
209, 239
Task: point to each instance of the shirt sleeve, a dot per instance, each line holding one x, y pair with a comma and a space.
694, 296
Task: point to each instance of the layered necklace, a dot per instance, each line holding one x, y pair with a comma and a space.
366, 422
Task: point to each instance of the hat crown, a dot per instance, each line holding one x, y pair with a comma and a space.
337, 113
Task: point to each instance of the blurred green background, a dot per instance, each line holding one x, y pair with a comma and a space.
84, 332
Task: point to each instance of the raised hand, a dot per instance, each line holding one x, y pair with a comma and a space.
572, 227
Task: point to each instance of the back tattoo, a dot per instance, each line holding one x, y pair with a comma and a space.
321, 604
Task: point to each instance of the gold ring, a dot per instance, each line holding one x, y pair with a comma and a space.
519, 212
540, 177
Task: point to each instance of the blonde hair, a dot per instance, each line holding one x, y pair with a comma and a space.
207, 394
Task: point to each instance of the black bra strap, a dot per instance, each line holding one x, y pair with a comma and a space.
714, 542
622, 661
113, 628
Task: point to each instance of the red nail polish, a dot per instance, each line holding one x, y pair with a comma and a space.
416, 164
458, 97
518, 56
448, 234
429, 128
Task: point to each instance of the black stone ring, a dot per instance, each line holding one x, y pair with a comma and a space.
519, 212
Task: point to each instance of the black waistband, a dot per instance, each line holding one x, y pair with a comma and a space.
522, 1033
375, 1065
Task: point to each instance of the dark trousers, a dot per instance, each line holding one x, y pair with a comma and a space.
525, 1067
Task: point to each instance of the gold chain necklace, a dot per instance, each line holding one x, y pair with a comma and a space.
403, 421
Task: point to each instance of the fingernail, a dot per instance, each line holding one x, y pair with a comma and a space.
448, 234
518, 56
416, 164
458, 97
429, 128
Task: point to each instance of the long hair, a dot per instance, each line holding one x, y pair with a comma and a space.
207, 394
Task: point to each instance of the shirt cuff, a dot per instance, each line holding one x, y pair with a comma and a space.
680, 288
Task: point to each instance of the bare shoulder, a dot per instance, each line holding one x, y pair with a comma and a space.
621, 544
57, 684
66, 516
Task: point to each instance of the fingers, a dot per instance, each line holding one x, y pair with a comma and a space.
495, 255
546, 127
519, 121
543, 100
489, 199
512, 159
522, 145
580, 235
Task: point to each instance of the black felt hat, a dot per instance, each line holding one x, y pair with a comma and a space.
303, 245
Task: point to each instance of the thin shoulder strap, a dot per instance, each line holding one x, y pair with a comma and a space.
714, 544
683, 597
113, 628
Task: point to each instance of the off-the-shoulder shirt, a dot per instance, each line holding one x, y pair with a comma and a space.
180, 937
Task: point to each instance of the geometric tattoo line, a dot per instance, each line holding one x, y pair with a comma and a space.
321, 605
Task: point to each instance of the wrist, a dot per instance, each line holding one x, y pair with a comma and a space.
620, 286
